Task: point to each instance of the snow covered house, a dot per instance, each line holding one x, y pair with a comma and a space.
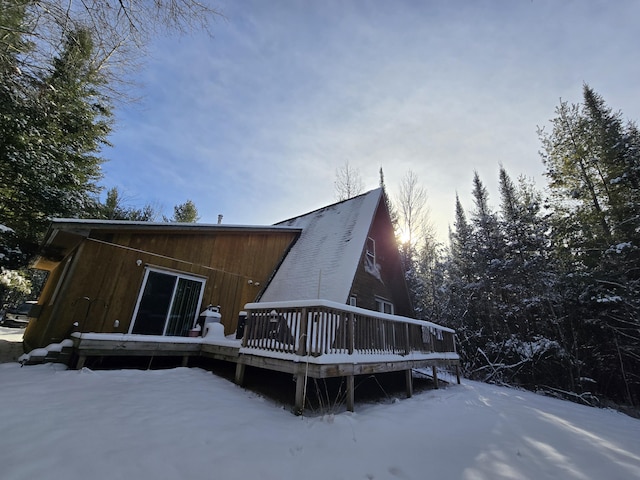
327, 286
154, 278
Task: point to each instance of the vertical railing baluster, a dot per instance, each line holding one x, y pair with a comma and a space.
302, 338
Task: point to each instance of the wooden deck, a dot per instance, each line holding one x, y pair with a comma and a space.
310, 339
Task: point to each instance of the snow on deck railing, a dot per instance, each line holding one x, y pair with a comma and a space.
321, 327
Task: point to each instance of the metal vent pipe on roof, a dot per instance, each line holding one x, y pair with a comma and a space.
219, 218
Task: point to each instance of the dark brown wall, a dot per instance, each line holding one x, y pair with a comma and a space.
103, 283
393, 286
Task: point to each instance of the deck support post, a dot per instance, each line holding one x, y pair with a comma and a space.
185, 360
458, 374
300, 391
240, 372
434, 370
409, 380
81, 360
350, 393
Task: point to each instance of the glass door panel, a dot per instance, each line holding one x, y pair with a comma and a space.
154, 304
184, 308
168, 304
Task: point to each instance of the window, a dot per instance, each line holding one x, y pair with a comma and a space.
353, 300
371, 250
384, 306
168, 303
370, 265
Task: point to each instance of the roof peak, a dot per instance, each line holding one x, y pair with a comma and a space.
323, 261
341, 202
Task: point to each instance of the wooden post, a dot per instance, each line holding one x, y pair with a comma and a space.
435, 376
240, 372
409, 379
300, 391
81, 359
185, 360
249, 322
302, 351
458, 373
302, 338
351, 333
350, 393
407, 343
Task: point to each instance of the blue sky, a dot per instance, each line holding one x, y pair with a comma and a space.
253, 121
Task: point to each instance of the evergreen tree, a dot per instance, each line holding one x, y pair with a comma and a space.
460, 239
55, 60
185, 213
592, 161
488, 263
392, 211
456, 290
528, 287
496, 286
549, 297
52, 127
114, 208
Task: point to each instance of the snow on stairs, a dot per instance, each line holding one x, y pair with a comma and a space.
52, 353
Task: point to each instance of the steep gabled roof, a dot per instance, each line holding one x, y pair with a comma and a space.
323, 261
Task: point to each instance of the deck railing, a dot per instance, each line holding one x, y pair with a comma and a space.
326, 328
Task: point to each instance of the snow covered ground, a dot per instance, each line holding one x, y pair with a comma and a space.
10, 344
10, 334
188, 423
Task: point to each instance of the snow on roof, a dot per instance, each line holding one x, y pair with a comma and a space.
79, 225
323, 261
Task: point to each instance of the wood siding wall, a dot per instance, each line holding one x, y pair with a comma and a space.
366, 287
103, 284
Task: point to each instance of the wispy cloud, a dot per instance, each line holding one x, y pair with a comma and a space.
254, 121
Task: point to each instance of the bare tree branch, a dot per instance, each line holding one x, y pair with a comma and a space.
348, 183
414, 212
120, 30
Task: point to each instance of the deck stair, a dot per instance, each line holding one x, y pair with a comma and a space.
52, 353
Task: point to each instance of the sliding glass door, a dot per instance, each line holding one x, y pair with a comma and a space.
168, 303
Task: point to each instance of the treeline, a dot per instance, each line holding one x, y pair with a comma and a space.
544, 292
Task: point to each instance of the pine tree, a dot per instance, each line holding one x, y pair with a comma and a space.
185, 212
456, 291
496, 286
52, 128
529, 284
489, 262
592, 161
390, 207
114, 208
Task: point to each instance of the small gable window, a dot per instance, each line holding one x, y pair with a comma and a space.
370, 264
371, 250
